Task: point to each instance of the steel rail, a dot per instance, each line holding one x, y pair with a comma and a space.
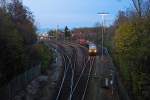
87, 82
73, 71
73, 60
63, 79
64, 76
81, 74
76, 63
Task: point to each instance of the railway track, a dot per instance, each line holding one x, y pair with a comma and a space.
81, 82
76, 76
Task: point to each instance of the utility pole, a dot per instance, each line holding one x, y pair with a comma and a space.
103, 14
57, 32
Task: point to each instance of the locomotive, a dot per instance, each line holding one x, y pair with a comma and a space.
92, 49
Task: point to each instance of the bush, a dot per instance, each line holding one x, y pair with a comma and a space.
132, 46
42, 54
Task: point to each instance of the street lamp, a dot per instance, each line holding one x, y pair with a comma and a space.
57, 32
103, 14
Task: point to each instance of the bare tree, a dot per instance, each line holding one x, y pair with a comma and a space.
3, 3
138, 6
146, 8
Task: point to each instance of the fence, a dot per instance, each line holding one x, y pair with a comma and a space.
20, 82
122, 93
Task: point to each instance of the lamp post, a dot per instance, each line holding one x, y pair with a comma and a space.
56, 32
103, 14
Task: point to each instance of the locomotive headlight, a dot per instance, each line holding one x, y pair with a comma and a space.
90, 50
95, 50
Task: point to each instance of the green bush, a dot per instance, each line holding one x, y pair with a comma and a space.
42, 54
132, 46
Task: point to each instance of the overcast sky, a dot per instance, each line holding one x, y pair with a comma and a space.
73, 13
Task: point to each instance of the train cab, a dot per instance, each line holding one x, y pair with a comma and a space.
92, 49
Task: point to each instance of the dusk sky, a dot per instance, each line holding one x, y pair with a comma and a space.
73, 13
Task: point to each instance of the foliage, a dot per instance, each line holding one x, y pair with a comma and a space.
130, 48
132, 40
23, 20
67, 32
11, 48
42, 54
52, 32
17, 36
